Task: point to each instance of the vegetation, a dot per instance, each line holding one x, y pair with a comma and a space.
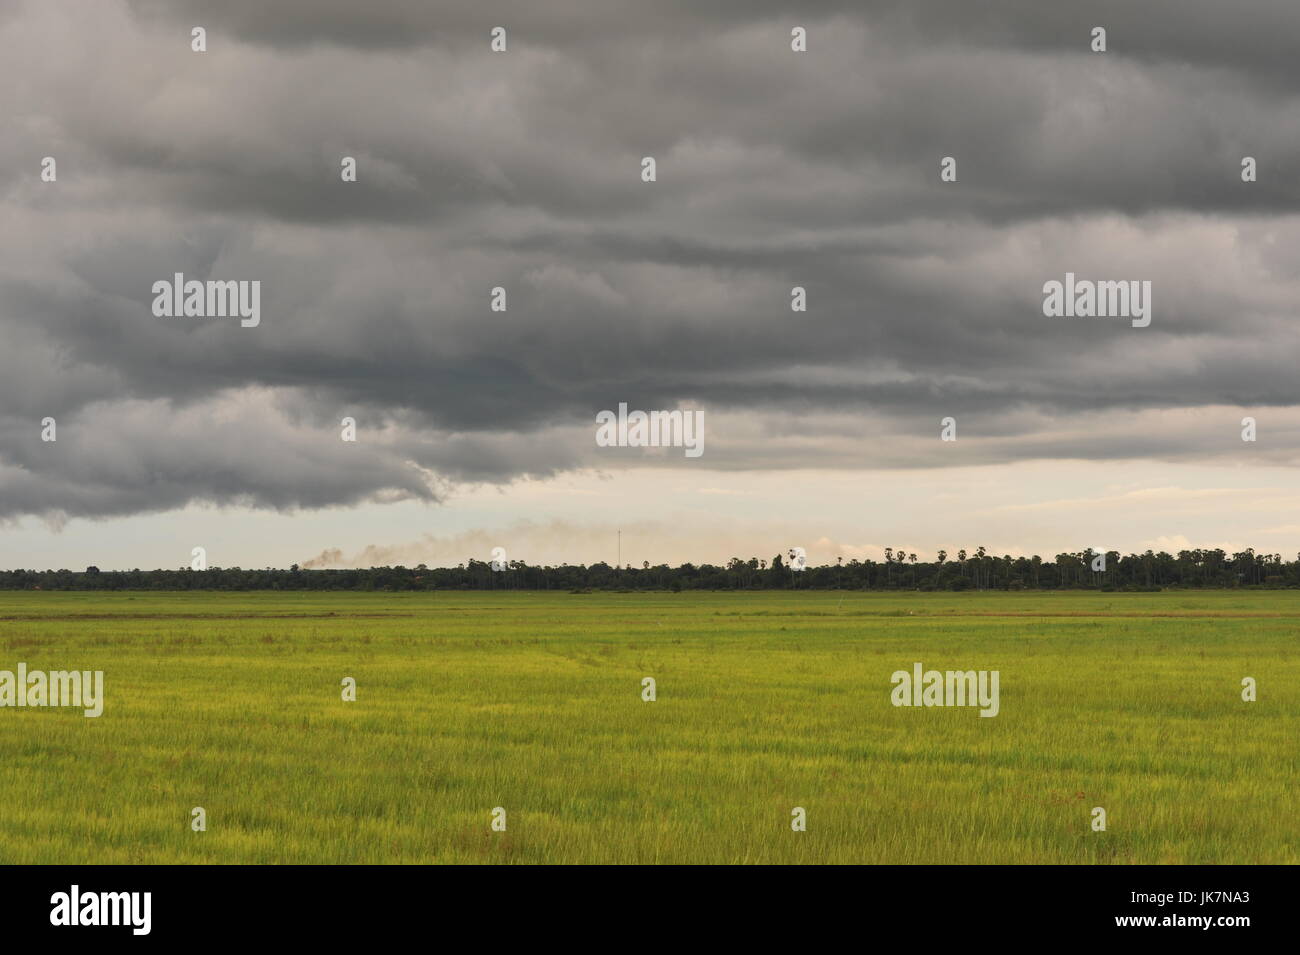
900, 570
765, 702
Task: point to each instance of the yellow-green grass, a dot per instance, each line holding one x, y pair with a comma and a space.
766, 701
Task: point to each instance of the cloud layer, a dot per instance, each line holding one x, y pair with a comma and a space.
522, 170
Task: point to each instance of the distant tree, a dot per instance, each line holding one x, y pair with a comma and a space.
1189, 568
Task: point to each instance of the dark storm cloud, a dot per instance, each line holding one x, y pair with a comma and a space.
522, 170
1254, 35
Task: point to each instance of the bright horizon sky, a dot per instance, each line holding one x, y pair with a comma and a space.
708, 517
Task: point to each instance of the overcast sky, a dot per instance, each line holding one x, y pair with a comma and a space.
522, 170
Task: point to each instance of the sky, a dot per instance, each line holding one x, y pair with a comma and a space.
523, 170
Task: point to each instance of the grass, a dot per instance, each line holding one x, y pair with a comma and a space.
766, 701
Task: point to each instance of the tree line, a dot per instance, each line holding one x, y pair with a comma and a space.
900, 570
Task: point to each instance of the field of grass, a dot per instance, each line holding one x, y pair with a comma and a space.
766, 701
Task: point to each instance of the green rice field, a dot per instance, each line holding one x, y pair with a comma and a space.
765, 701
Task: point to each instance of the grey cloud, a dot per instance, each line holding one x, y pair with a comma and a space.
522, 171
